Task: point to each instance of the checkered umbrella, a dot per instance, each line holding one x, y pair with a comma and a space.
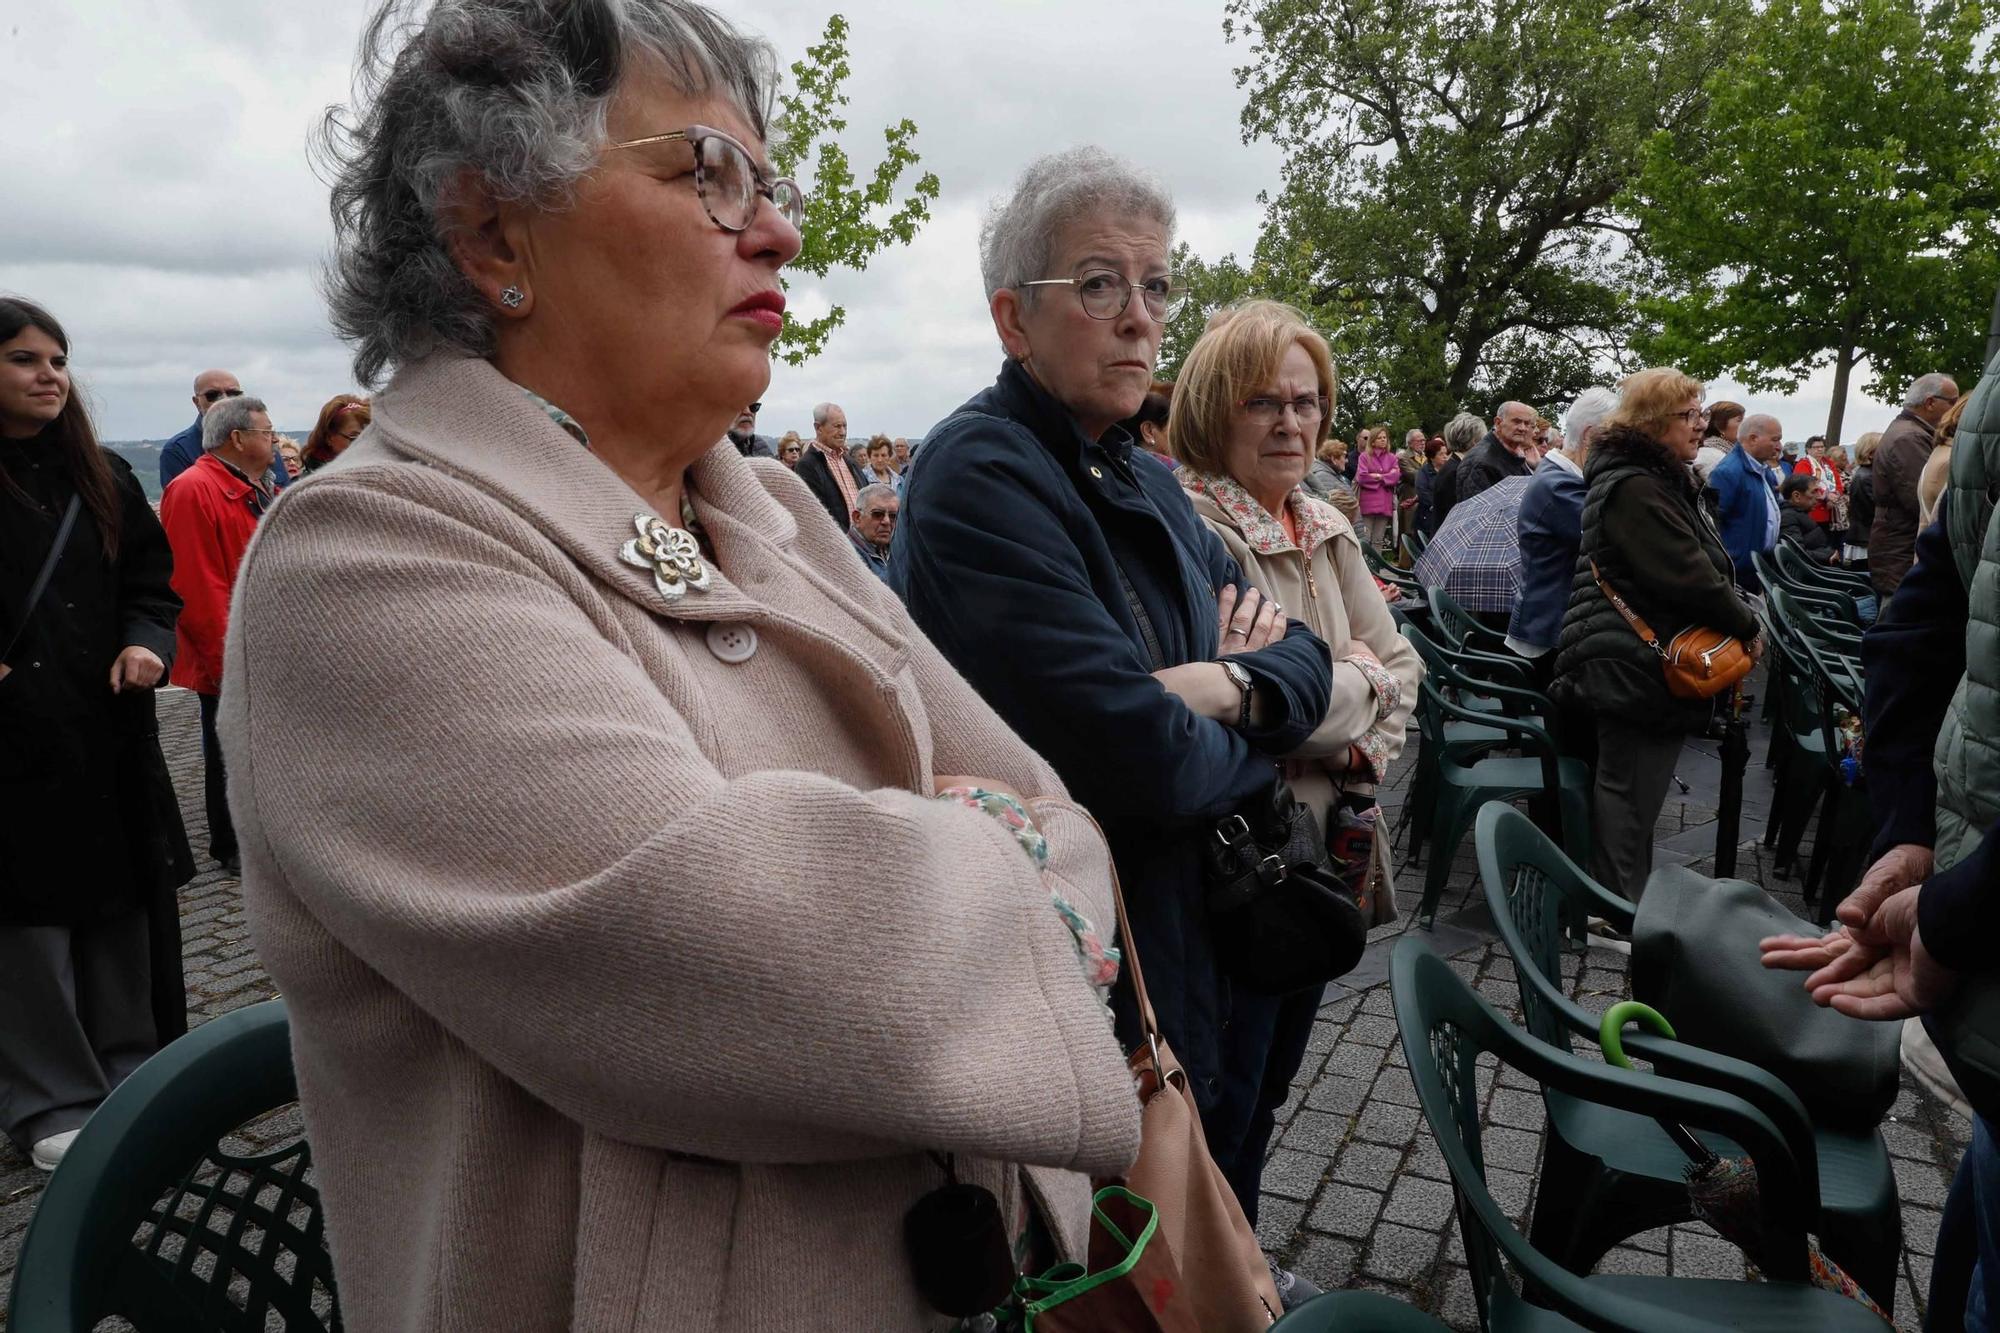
1475, 555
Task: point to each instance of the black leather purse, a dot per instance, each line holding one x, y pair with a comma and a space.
1282, 918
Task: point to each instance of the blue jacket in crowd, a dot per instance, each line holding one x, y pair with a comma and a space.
1747, 505
1009, 555
179, 454
1551, 528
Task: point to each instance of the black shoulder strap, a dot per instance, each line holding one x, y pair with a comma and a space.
48, 570
1146, 632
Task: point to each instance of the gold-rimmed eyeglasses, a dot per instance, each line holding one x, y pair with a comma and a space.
1106, 294
728, 180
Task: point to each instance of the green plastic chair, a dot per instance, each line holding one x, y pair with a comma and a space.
1559, 785
1794, 558
1462, 629
1413, 545
1446, 1029
1846, 822
1356, 1312
149, 1219
1825, 612
1608, 1174
1483, 683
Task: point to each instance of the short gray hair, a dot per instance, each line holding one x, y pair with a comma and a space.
821, 411
1587, 413
1463, 431
1925, 388
868, 495
225, 417
1020, 231
514, 92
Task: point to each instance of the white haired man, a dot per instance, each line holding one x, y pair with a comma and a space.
1899, 461
184, 450
1551, 530
210, 512
875, 511
1507, 451
826, 469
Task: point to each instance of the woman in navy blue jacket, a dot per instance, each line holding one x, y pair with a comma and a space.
1071, 583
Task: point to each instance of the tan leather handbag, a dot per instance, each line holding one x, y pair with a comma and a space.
1700, 663
1224, 1281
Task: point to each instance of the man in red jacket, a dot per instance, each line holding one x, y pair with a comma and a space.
210, 512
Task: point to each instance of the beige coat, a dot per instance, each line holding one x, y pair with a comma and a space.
1334, 594
629, 983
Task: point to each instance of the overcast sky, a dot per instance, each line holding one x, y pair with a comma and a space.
159, 200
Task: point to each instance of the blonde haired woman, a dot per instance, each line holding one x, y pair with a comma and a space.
1646, 531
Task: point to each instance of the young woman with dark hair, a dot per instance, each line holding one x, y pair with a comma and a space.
91, 844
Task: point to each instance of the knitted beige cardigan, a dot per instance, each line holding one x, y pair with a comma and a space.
629, 984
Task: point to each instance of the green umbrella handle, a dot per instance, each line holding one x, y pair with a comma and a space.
1611, 1039
1611, 1029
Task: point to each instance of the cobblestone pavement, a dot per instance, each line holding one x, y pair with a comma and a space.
1355, 1192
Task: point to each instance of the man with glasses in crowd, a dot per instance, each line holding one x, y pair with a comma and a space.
875, 511
1899, 462
210, 512
743, 434
181, 452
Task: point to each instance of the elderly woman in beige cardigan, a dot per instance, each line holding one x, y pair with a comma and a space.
1253, 402
622, 995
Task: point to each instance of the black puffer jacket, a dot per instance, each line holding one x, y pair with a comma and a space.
1644, 525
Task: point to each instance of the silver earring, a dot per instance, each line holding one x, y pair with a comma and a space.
511, 297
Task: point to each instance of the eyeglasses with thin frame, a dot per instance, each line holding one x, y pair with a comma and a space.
257, 430
728, 180
1946, 399
217, 395
1105, 294
1265, 411
1694, 416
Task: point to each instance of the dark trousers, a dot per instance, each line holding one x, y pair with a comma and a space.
1263, 1047
215, 785
1634, 768
76, 1017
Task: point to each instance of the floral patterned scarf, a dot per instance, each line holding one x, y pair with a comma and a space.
1316, 521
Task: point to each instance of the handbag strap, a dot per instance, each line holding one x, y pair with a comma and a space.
47, 572
1639, 627
1147, 1018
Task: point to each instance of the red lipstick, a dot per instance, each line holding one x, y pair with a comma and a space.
766, 308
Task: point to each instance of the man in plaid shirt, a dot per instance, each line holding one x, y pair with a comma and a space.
1475, 555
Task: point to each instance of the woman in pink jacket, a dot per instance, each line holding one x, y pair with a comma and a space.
1376, 477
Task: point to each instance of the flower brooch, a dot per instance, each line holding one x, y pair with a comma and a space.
672, 554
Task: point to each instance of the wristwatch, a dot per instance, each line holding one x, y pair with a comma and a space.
1241, 675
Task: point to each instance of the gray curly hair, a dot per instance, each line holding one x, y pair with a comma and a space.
1019, 234
514, 92
1463, 431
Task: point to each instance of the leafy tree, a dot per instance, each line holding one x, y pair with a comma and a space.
846, 222
1837, 203
1450, 167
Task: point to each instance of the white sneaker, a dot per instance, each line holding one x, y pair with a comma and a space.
48, 1152
1604, 935
1921, 1058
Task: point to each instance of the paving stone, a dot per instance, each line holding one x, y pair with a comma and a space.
1908, 1141
1343, 1210
1400, 1254
1426, 1160
1367, 1164
229, 966
1920, 1229
1338, 1095
1372, 1030
1394, 1086
1353, 1060
1920, 1183
1628, 1262
1384, 1122
219, 986
1327, 1262
1514, 1149
1278, 1221
1516, 1109
1459, 1309
1323, 1038
1294, 1175
1316, 1132
1653, 1242
1710, 1256
1416, 1202
1512, 1190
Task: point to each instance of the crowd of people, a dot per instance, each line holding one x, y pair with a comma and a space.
581, 927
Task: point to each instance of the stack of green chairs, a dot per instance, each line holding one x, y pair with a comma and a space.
1462, 629
1413, 545
1804, 749
1607, 1174
1516, 1286
1458, 774
150, 1221
1833, 606
1472, 680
